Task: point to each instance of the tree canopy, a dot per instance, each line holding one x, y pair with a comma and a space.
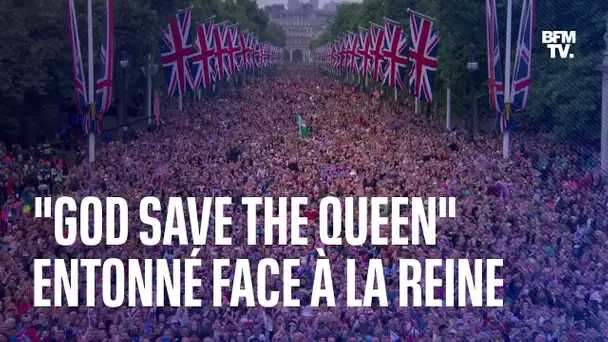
36, 79
565, 99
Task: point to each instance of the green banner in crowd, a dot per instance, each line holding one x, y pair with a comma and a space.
302, 128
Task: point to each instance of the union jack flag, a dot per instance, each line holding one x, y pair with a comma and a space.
266, 54
344, 53
21, 336
331, 55
252, 48
523, 60
495, 76
352, 51
363, 52
261, 55
258, 54
394, 48
271, 54
77, 69
377, 54
175, 52
244, 41
324, 56
253, 43
203, 60
277, 54
248, 51
255, 51
220, 36
235, 49
423, 54
339, 54
103, 88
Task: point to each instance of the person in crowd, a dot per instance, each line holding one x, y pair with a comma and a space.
45, 178
543, 211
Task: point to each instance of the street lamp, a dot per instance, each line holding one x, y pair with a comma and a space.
124, 64
149, 70
472, 66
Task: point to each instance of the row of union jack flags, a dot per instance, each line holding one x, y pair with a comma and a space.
382, 53
522, 71
93, 108
218, 51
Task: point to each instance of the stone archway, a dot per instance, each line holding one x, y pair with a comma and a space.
298, 56
286, 55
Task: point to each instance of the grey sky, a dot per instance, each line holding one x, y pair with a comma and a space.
263, 3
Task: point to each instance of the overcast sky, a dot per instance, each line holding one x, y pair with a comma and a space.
263, 3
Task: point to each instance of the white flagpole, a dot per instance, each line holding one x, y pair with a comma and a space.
396, 94
448, 113
604, 126
149, 89
418, 14
91, 76
505, 136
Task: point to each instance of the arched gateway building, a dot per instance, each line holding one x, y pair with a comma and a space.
301, 22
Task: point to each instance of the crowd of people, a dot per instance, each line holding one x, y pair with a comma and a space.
543, 211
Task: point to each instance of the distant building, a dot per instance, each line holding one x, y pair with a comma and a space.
274, 10
330, 7
301, 24
315, 5
293, 5
305, 10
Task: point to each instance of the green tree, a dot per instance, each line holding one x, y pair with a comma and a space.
36, 82
33, 60
565, 97
274, 33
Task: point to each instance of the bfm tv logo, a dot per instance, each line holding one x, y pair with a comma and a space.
559, 41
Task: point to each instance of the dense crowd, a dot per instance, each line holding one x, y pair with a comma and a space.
543, 211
